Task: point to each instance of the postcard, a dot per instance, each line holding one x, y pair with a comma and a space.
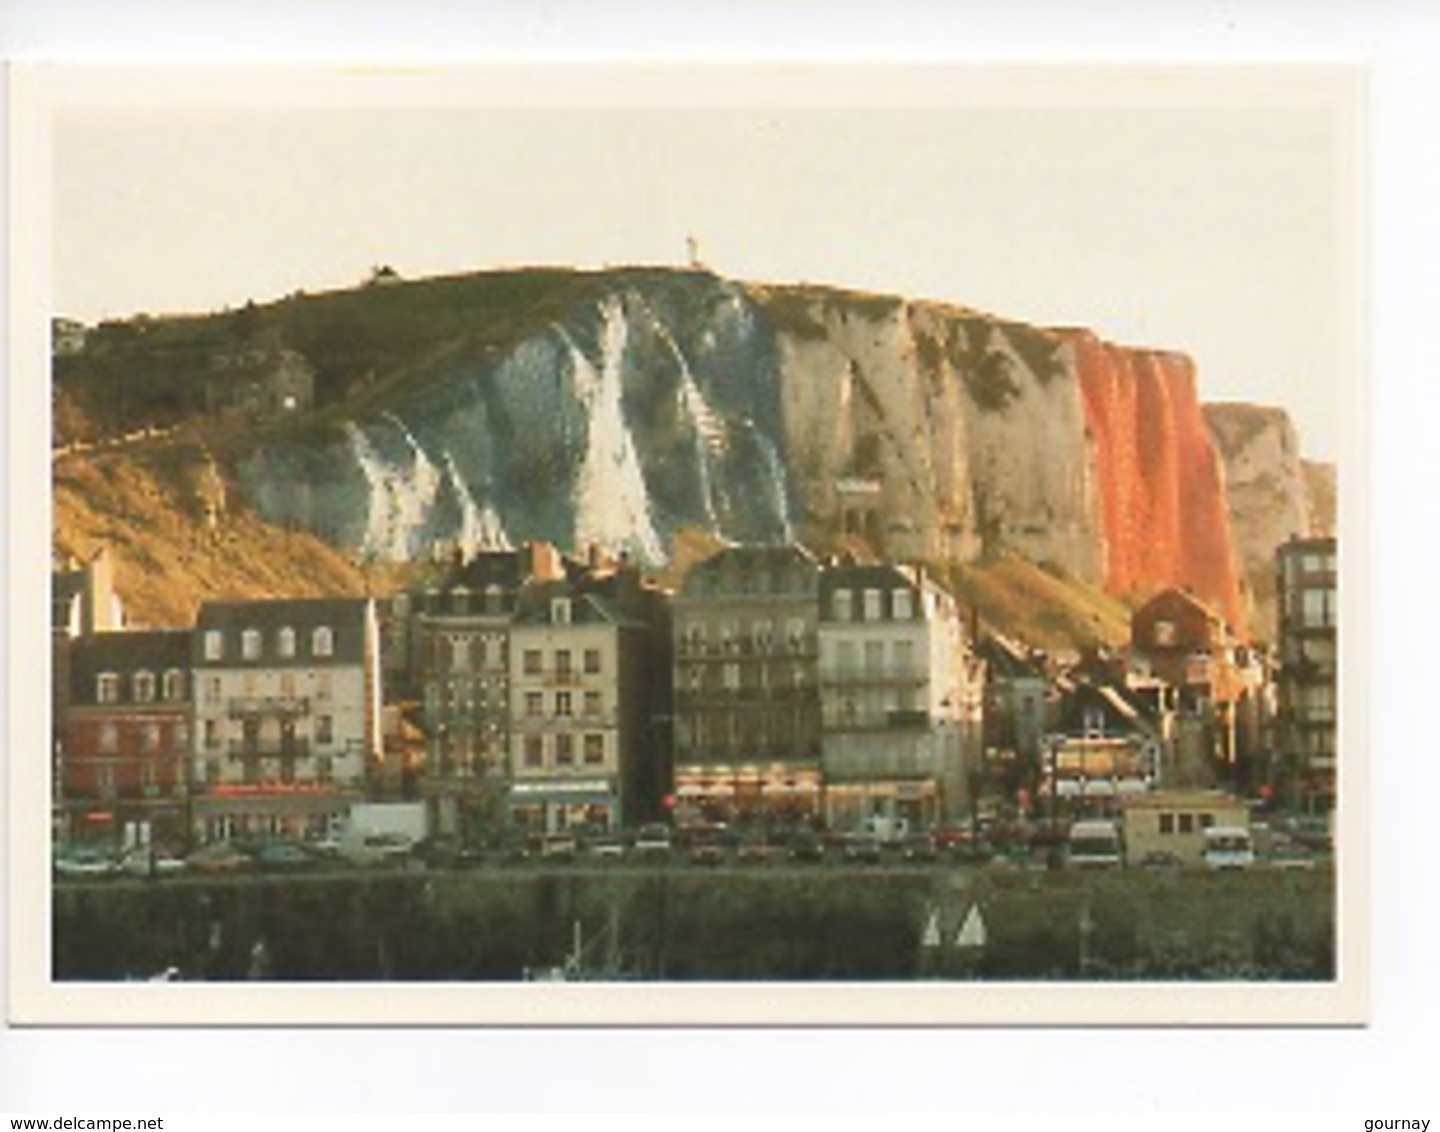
716, 545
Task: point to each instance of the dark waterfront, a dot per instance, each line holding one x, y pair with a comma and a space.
682, 923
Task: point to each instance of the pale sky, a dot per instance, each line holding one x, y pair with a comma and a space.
1215, 226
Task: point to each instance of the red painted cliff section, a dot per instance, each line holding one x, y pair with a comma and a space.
1162, 503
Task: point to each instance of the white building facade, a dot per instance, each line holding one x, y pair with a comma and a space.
900, 699
287, 714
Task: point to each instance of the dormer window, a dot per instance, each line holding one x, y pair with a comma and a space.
107, 688
214, 644
144, 685
286, 641
250, 644
872, 605
322, 641
173, 686
901, 605
840, 605
560, 610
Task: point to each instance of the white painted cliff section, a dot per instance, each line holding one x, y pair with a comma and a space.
1033, 468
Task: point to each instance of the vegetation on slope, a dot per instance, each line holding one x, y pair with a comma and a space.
1041, 605
147, 508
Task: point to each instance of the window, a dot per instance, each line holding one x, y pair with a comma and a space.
764, 635
560, 611
562, 663
534, 705
322, 641
109, 738
592, 661
592, 703
562, 703
250, 644
181, 736
324, 729
1317, 609
286, 641
905, 659
731, 676
1165, 634
840, 605
107, 688
173, 685
594, 750
322, 685
144, 684
1167, 823
1186, 823
287, 685
845, 658
324, 769
902, 605
212, 771
460, 654
150, 738
874, 658
532, 662
534, 753
564, 749
459, 600
212, 733
1207, 820
872, 605
214, 648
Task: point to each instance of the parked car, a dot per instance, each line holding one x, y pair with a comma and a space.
919, 848
653, 840
446, 851
759, 848
85, 862
283, 857
1160, 859
220, 857
707, 845
862, 849
605, 847
558, 847
807, 846
151, 861
1290, 856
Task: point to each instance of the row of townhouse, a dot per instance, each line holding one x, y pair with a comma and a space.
526, 688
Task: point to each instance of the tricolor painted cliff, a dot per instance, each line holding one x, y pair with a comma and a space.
624, 407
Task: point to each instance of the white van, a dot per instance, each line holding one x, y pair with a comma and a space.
1094, 845
1228, 847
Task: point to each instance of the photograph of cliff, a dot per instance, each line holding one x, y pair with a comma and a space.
569, 526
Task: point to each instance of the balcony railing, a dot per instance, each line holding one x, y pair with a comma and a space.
241, 706
269, 749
